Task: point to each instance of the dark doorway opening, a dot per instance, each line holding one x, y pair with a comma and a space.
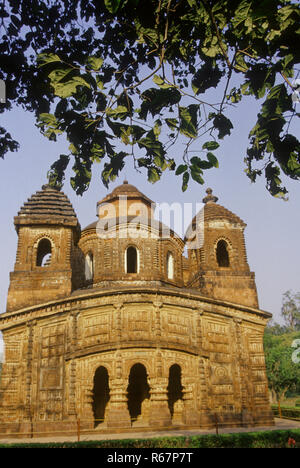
138, 390
174, 388
100, 394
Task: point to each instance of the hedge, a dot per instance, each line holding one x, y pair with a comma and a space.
263, 439
287, 411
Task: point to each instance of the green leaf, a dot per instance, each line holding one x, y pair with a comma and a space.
279, 97
56, 174
199, 164
99, 83
52, 126
120, 112
188, 120
196, 176
161, 83
185, 181
112, 169
73, 148
45, 59
154, 100
180, 169
69, 88
157, 128
82, 169
210, 145
212, 159
260, 77
125, 101
59, 75
112, 5
153, 175
95, 62
208, 76
123, 131
97, 152
172, 123
48, 119
192, 3
223, 125
153, 146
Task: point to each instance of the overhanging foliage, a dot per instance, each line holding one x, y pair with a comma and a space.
129, 79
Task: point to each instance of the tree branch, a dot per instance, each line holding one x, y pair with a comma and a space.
212, 18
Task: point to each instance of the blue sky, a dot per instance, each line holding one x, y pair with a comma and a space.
273, 226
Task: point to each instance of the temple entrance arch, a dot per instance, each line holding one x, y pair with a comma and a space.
138, 389
175, 388
100, 394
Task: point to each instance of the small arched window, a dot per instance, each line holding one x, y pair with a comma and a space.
132, 260
44, 251
170, 266
89, 266
222, 254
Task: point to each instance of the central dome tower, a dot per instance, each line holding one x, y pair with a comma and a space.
127, 243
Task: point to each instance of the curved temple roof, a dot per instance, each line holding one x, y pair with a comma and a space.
125, 189
48, 205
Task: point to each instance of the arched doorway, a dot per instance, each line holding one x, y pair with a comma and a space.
100, 394
174, 388
138, 390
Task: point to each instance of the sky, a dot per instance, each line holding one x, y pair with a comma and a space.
273, 225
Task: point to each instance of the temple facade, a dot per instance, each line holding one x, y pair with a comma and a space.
124, 324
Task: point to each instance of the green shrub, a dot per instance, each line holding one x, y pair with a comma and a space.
287, 411
264, 439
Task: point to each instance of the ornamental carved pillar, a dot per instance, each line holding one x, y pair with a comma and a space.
72, 411
204, 412
118, 306
116, 411
29, 407
190, 415
159, 408
157, 307
246, 389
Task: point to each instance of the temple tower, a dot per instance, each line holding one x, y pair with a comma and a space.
217, 255
48, 230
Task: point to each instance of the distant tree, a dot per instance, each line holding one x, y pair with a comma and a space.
290, 310
282, 372
129, 79
274, 328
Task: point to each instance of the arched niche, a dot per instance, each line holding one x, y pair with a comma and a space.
132, 260
44, 253
222, 254
89, 266
170, 266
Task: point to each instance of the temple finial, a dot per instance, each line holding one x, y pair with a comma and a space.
210, 198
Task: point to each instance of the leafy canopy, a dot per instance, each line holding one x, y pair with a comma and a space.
290, 310
131, 78
282, 370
